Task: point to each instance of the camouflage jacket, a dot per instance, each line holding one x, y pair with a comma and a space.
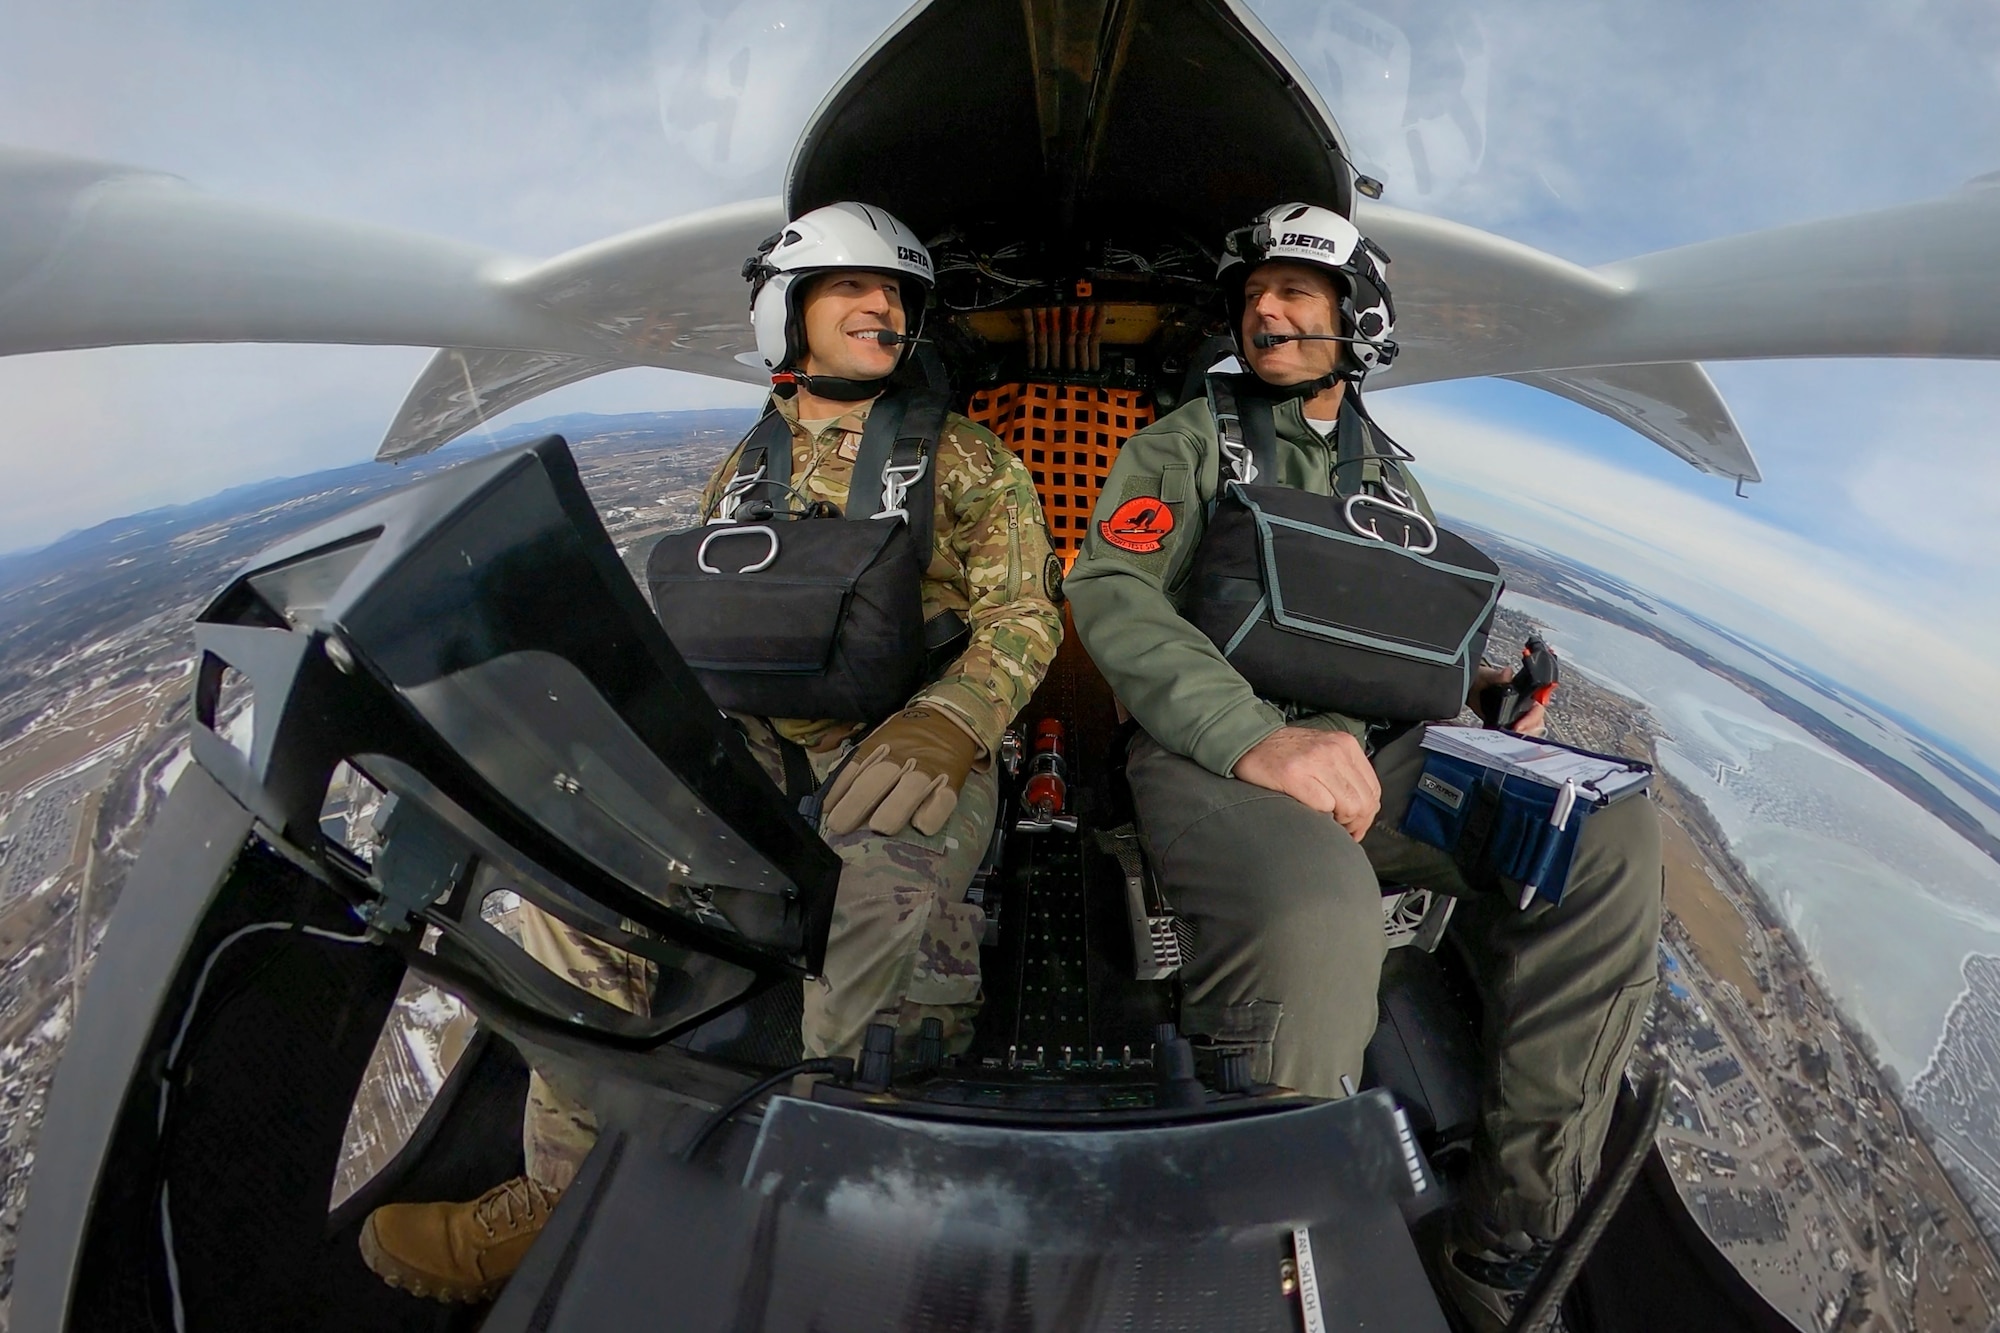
990, 562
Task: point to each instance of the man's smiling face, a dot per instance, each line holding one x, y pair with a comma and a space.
841, 309
1283, 297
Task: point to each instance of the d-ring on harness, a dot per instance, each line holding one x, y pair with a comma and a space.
755, 530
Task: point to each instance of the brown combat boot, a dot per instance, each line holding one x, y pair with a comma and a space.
457, 1251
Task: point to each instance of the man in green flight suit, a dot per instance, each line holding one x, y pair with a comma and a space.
1271, 827
837, 300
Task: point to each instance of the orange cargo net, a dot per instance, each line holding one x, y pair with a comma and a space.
1068, 435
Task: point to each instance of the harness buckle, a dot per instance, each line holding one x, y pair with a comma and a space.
1229, 432
733, 493
897, 478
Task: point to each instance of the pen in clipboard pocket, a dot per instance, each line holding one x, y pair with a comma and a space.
1559, 821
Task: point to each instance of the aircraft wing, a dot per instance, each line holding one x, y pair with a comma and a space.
1674, 404
669, 295
1917, 280
463, 386
94, 255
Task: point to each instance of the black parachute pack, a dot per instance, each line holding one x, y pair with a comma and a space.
1356, 602
813, 614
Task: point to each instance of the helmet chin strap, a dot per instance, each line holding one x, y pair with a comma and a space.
787, 383
1285, 393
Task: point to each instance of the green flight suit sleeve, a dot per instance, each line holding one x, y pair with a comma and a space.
1165, 671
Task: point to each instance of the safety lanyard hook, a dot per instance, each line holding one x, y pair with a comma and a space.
897, 478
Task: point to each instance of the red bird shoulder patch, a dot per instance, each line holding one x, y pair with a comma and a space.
1138, 525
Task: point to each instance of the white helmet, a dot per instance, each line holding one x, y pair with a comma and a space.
1308, 234
838, 236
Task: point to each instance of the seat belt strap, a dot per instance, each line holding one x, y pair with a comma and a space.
799, 781
765, 461
1354, 454
1260, 433
878, 446
1234, 463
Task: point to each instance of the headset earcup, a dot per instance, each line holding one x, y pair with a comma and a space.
771, 318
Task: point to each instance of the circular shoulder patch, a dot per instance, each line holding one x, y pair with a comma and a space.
1052, 572
1140, 525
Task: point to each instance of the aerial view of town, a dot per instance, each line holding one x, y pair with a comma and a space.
1852, 1197
1794, 1151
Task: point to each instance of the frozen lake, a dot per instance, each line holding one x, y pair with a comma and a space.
1888, 899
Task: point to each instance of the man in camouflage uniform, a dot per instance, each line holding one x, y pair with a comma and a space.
912, 809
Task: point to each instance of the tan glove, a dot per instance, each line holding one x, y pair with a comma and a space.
906, 773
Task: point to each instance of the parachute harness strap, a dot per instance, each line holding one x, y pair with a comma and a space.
734, 492
766, 460
1236, 452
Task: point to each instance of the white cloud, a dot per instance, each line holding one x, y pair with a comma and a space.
1928, 474
1895, 461
736, 81
1927, 646
1600, 129
508, 124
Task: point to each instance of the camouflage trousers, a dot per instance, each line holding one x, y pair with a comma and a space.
557, 1131
904, 947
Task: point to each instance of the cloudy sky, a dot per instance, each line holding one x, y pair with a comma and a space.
1595, 130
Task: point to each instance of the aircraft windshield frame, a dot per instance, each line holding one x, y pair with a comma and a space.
473, 646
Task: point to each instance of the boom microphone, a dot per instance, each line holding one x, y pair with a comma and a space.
891, 338
1264, 340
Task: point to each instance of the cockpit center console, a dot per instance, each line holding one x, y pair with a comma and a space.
416, 719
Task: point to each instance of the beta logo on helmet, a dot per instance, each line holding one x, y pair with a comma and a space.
1308, 234
837, 236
